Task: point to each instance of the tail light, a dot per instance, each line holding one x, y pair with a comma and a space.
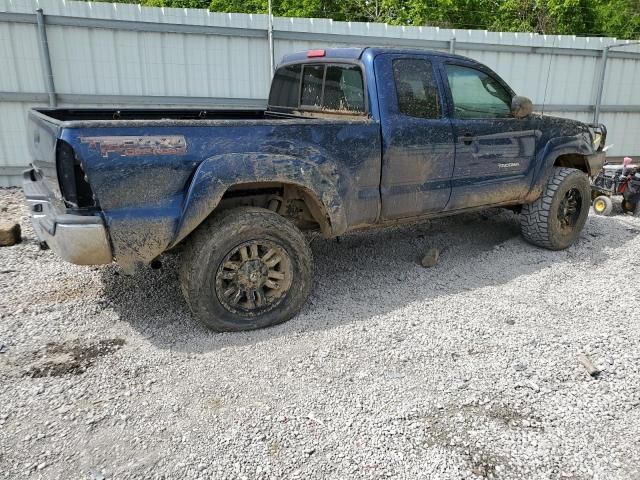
74, 186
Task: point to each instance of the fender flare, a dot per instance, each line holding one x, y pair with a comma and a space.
554, 148
216, 174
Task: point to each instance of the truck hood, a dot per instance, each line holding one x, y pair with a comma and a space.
554, 127
562, 126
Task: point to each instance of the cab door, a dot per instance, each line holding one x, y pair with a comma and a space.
494, 150
418, 144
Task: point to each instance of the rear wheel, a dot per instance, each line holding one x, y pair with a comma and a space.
246, 268
603, 205
555, 220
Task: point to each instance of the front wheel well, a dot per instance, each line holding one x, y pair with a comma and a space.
296, 203
572, 160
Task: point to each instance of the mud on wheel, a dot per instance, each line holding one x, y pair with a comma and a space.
246, 268
555, 220
254, 277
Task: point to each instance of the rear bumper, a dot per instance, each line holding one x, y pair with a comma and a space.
595, 162
79, 239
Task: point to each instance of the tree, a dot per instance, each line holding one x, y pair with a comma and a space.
568, 17
614, 18
618, 18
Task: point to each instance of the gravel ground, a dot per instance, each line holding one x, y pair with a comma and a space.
466, 370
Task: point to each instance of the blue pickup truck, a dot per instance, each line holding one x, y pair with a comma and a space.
351, 138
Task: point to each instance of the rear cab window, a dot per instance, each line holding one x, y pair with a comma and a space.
285, 87
331, 88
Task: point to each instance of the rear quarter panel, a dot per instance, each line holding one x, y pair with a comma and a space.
156, 183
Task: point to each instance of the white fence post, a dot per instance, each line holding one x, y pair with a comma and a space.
603, 71
270, 36
45, 58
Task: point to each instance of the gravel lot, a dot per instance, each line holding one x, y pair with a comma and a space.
466, 370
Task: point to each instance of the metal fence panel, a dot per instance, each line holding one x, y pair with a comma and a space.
19, 58
98, 61
622, 82
128, 55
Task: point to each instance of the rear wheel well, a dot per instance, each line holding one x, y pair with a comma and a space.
572, 160
298, 204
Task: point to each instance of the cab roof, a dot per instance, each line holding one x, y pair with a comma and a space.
352, 53
355, 53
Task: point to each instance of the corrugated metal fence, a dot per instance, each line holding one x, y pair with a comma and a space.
127, 55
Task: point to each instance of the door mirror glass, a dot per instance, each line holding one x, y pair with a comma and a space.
521, 107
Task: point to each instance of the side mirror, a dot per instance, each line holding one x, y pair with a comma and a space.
521, 107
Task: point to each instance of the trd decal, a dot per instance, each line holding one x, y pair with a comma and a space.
138, 146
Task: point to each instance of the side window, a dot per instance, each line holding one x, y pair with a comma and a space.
285, 87
416, 88
476, 94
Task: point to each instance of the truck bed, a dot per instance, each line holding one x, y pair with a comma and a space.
141, 173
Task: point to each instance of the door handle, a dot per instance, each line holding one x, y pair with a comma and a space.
467, 138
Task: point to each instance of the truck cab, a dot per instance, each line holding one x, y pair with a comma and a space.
452, 136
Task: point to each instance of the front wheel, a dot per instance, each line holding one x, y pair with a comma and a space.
555, 220
246, 268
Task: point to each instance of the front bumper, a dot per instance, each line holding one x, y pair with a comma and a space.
79, 239
595, 162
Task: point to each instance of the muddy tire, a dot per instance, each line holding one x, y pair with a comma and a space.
244, 269
603, 205
555, 220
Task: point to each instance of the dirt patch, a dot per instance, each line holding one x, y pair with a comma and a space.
67, 358
443, 430
507, 415
484, 466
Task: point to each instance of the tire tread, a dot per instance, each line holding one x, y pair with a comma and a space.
217, 225
534, 217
